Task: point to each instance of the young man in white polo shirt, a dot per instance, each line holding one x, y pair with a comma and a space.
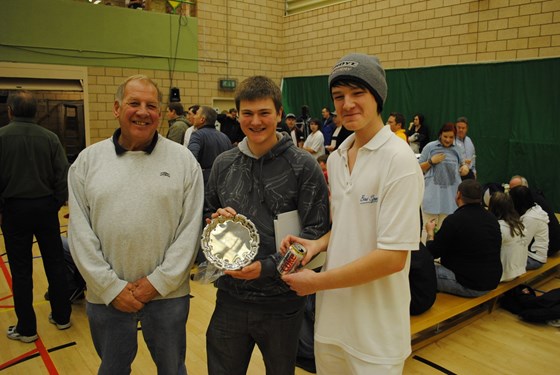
363, 296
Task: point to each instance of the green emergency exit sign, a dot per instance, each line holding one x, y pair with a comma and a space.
227, 84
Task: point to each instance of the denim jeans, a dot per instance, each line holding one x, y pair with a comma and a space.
447, 283
233, 333
533, 264
115, 335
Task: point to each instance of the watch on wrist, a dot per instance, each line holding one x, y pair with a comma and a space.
430, 162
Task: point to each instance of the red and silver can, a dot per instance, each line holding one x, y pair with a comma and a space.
291, 260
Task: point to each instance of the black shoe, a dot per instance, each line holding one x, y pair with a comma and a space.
308, 364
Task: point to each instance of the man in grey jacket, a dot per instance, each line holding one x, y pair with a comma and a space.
264, 176
135, 218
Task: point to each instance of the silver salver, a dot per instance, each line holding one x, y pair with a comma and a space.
230, 243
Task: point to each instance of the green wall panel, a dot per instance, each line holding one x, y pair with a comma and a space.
73, 33
513, 110
310, 91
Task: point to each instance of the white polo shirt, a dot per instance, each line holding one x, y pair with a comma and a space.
377, 206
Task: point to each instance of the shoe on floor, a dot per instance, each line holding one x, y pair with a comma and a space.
14, 335
554, 323
59, 326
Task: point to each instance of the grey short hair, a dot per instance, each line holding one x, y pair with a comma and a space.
119, 95
209, 115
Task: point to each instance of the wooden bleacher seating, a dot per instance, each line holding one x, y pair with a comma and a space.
449, 312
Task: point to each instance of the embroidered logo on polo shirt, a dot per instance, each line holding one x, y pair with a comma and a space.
165, 174
365, 199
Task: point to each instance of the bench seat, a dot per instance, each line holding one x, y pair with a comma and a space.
451, 311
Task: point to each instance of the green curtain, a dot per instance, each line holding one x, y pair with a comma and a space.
310, 91
512, 110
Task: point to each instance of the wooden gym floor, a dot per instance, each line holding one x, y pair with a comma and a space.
498, 343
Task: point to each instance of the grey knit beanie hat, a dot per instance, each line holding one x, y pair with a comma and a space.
361, 68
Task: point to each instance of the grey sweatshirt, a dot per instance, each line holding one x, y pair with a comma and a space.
135, 215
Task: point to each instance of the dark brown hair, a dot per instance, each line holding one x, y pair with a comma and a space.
501, 206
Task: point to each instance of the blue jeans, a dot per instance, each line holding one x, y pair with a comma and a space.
115, 335
233, 333
447, 283
533, 264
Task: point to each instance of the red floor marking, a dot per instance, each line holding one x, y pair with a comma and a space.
6, 273
47, 360
17, 359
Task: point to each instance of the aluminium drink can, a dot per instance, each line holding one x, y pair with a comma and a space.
291, 260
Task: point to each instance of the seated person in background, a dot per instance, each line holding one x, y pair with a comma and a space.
535, 221
422, 279
553, 225
514, 248
315, 143
396, 122
468, 244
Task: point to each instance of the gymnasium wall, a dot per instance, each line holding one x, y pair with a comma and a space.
236, 39
405, 33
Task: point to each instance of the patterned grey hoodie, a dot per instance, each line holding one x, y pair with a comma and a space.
287, 178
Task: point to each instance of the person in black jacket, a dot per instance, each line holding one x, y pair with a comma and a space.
229, 125
418, 134
468, 244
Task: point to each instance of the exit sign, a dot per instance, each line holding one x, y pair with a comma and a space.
227, 84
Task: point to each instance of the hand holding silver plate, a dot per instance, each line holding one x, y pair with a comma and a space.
230, 243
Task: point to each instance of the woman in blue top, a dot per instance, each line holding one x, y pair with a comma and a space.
443, 166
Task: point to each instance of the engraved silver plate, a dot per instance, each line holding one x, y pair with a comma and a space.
230, 243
